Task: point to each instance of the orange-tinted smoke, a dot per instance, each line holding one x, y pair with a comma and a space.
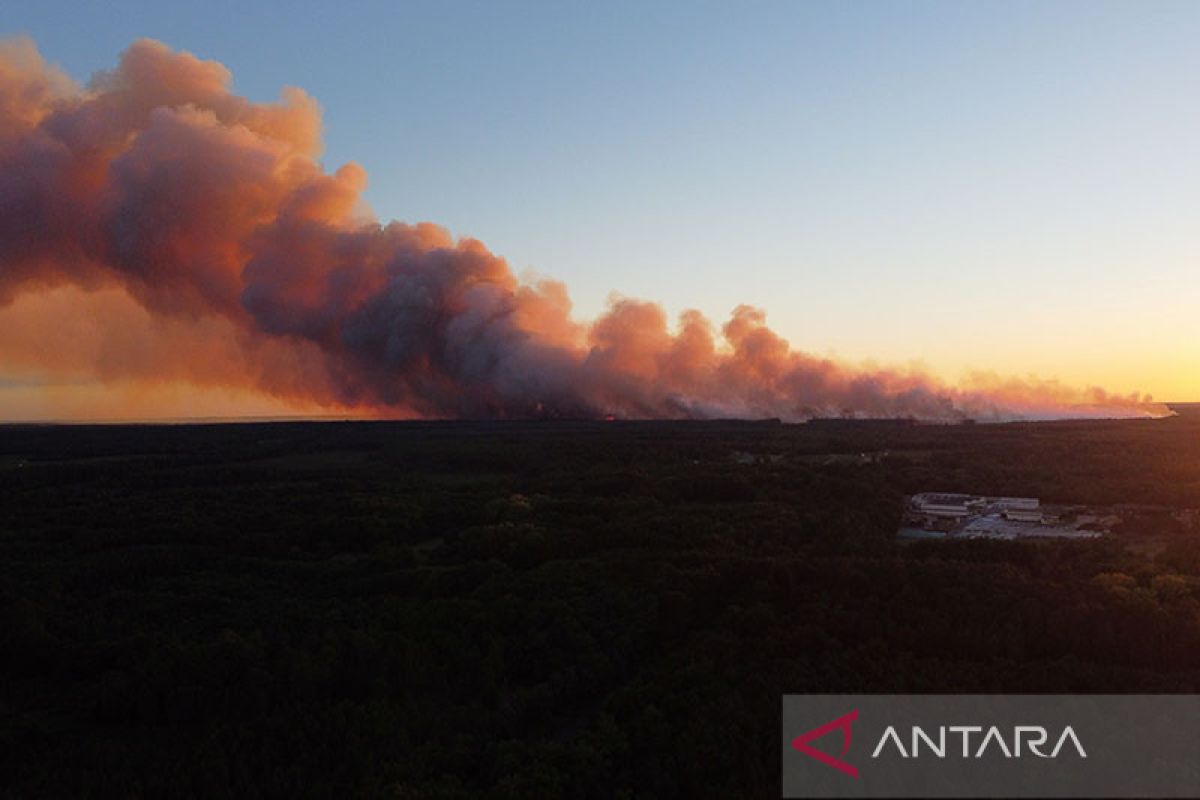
201, 241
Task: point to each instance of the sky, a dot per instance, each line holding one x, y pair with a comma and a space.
1005, 187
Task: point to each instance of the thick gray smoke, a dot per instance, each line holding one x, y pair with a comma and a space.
213, 218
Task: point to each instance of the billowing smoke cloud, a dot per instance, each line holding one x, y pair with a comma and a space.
203, 242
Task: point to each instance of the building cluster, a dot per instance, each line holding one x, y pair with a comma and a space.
969, 516
950, 506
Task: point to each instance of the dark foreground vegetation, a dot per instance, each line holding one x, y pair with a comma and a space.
541, 610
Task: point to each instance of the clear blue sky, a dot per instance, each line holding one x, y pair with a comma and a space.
1008, 185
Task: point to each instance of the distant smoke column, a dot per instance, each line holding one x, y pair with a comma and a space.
214, 214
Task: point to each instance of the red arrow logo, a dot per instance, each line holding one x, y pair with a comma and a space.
843, 723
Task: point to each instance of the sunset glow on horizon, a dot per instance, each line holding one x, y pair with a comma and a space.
171, 249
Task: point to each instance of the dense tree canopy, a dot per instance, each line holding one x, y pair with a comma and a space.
425, 610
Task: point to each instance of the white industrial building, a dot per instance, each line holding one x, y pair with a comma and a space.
1016, 503
956, 505
938, 504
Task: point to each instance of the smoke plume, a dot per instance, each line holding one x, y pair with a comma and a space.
156, 227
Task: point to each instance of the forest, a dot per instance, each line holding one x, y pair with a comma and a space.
547, 609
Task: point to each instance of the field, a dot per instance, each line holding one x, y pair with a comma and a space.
591, 609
